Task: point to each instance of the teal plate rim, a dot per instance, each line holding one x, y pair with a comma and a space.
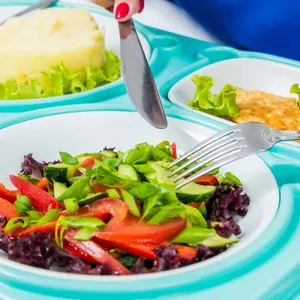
276, 248
257, 255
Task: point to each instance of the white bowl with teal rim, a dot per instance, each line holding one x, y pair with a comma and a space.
82, 131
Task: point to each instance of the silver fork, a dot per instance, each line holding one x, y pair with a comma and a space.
40, 5
225, 147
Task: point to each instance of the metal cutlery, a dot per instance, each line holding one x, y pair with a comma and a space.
39, 5
138, 77
225, 147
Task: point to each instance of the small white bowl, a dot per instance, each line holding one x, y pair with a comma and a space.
246, 73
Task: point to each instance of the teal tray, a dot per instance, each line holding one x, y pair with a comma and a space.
267, 269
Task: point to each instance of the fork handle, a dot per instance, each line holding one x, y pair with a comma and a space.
286, 135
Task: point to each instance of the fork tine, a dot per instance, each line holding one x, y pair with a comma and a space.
227, 140
213, 167
211, 158
202, 145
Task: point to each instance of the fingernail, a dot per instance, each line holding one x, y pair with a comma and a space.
122, 11
110, 9
142, 5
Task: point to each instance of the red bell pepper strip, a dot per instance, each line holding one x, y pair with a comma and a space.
72, 250
90, 162
42, 184
207, 179
7, 209
41, 200
50, 227
9, 195
173, 149
185, 251
135, 249
97, 253
141, 232
195, 204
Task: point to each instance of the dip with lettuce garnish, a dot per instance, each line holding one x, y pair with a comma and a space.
54, 52
240, 105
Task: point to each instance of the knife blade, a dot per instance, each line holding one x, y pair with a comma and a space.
138, 78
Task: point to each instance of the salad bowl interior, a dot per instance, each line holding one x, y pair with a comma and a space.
92, 131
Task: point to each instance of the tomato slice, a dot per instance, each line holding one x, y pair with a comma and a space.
185, 251
135, 249
207, 179
7, 209
173, 149
95, 251
115, 207
9, 195
99, 188
41, 200
135, 231
90, 162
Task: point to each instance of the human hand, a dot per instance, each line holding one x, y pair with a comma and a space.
122, 9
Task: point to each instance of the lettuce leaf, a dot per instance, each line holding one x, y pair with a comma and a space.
221, 105
58, 81
295, 89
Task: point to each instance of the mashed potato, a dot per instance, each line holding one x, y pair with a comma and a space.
35, 43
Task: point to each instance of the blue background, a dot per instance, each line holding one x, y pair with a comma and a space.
270, 26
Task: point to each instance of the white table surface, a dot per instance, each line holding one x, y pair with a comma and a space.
164, 15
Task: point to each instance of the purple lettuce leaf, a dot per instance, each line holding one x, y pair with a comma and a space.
39, 250
228, 201
168, 259
30, 166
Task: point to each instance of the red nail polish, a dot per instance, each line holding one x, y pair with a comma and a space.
142, 5
110, 9
122, 11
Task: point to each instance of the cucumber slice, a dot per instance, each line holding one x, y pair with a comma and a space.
56, 174
110, 154
91, 198
193, 192
60, 172
127, 171
58, 188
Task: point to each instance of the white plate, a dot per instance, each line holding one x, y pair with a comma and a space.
246, 73
91, 131
112, 40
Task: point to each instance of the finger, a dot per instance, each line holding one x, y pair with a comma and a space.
125, 9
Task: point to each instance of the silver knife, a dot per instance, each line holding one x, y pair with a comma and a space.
40, 5
138, 77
